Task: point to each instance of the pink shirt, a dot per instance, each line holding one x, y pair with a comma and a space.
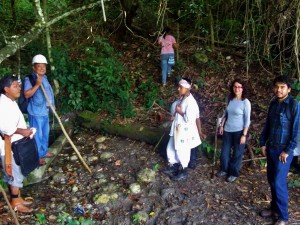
167, 44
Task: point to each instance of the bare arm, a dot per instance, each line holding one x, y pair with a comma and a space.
198, 123
30, 92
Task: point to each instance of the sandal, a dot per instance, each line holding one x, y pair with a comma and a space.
27, 201
18, 206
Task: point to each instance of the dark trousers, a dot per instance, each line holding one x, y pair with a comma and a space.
277, 177
231, 162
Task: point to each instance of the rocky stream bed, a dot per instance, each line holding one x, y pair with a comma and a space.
126, 187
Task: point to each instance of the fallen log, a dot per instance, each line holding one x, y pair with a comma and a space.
135, 131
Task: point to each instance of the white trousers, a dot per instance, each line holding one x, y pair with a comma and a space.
181, 156
16, 172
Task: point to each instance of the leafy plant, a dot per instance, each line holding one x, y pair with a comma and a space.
97, 83
156, 167
295, 183
136, 219
148, 91
41, 218
209, 149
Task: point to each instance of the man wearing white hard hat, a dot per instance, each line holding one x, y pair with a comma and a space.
38, 107
183, 134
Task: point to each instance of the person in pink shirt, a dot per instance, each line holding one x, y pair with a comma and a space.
167, 42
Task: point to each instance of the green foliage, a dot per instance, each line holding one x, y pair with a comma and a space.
2, 183
136, 219
295, 183
296, 86
209, 149
155, 167
97, 83
148, 91
41, 218
214, 65
5, 71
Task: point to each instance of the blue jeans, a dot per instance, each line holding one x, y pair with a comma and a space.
277, 177
165, 67
231, 162
41, 123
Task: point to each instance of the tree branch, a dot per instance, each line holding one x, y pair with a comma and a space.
36, 30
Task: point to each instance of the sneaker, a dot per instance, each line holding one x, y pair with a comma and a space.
231, 179
268, 213
171, 170
182, 175
221, 173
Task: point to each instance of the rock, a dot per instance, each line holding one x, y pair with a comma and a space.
73, 158
135, 188
103, 198
74, 199
93, 158
106, 155
75, 189
102, 147
52, 218
146, 175
59, 178
100, 139
166, 192
52, 205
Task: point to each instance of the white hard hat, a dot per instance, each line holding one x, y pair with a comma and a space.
39, 59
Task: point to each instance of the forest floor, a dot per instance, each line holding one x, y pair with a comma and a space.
201, 199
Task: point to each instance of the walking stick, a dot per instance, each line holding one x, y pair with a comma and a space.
215, 149
64, 131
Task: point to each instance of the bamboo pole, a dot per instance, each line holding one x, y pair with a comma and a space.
9, 206
64, 131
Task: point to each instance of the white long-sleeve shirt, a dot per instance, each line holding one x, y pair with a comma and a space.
11, 118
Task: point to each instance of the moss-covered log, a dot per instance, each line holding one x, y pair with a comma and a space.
150, 135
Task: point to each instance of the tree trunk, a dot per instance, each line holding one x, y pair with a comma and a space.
150, 135
35, 31
129, 8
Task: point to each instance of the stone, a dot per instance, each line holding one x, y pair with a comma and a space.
135, 188
166, 192
103, 198
146, 175
73, 158
106, 155
52, 218
100, 139
59, 178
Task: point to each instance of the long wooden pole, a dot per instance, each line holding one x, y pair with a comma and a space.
64, 131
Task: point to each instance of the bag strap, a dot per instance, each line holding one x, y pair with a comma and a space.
8, 155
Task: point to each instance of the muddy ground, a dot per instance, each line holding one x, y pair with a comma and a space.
201, 199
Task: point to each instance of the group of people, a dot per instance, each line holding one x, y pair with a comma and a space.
278, 139
13, 125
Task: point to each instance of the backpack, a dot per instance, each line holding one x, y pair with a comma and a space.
22, 101
289, 111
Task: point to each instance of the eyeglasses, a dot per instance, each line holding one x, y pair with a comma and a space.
237, 87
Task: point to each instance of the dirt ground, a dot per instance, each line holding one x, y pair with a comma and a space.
201, 199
